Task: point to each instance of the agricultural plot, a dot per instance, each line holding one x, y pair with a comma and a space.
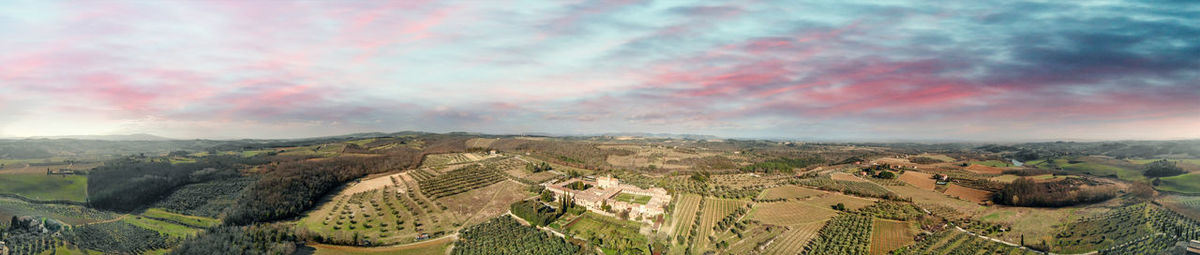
754, 236
392, 210
831, 199
208, 199
438, 246
391, 215
1186, 184
45, 187
788, 192
70, 214
790, 213
793, 240
888, 235
968, 194
459, 181
169, 229
844, 234
441, 160
186, 220
684, 215
955, 242
919, 179
1187, 205
714, 210
939, 203
121, 237
614, 231
1141, 223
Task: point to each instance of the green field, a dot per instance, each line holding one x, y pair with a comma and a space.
167, 228
1188, 183
1087, 166
45, 187
194, 221
631, 198
992, 163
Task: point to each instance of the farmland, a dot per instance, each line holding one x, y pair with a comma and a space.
45, 187
385, 195
686, 207
795, 238
888, 235
1185, 184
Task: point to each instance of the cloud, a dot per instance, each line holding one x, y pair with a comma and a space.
846, 70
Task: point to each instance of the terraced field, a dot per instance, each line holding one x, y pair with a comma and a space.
794, 239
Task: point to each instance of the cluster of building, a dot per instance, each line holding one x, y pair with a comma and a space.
604, 190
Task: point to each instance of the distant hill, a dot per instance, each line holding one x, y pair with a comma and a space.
129, 137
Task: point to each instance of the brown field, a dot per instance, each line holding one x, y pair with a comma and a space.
939, 203
793, 240
968, 194
982, 169
435, 246
851, 202
790, 213
481, 142
936, 156
888, 235
846, 177
788, 192
919, 179
478, 205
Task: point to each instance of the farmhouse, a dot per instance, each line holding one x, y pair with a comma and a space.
645, 203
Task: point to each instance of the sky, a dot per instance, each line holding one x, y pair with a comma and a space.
822, 70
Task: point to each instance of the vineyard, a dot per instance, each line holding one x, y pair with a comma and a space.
794, 239
504, 235
457, 181
889, 235
714, 209
685, 214
844, 234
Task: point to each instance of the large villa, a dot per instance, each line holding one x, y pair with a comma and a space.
641, 203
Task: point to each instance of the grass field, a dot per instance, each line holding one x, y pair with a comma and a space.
193, 221
793, 240
631, 198
889, 235
170, 229
437, 246
992, 163
788, 192
45, 187
1187, 184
